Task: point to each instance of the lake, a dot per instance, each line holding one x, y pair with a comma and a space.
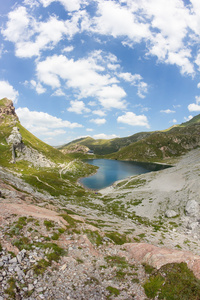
112, 170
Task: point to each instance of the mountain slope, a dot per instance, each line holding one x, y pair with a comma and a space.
103, 147
146, 146
164, 145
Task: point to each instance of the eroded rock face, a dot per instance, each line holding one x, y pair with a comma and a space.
15, 137
158, 257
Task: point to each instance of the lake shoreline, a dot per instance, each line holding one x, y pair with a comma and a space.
110, 171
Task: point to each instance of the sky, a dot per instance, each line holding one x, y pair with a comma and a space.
100, 68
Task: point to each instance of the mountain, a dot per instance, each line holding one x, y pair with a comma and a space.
103, 146
147, 146
163, 145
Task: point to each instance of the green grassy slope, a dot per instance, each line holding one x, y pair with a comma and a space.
103, 147
162, 145
148, 146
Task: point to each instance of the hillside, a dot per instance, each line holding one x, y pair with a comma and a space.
163, 146
103, 147
147, 146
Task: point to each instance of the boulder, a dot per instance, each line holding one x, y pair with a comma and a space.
170, 213
192, 208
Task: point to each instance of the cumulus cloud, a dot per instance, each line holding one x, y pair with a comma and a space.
37, 86
105, 136
84, 76
167, 111
132, 119
78, 107
42, 123
100, 113
195, 106
69, 5
188, 118
32, 36
98, 121
8, 91
136, 80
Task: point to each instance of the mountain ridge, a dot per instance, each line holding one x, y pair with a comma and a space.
145, 145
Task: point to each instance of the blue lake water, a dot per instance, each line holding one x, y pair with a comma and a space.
112, 170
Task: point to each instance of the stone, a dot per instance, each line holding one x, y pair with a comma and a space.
170, 213
30, 287
192, 208
13, 260
192, 225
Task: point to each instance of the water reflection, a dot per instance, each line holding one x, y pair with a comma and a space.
112, 170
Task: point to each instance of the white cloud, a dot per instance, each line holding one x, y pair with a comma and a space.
132, 119
195, 106
136, 80
7, 91
117, 20
167, 111
105, 136
38, 87
41, 123
69, 5
111, 97
58, 93
188, 118
173, 121
78, 107
89, 129
68, 49
100, 113
98, 121
198, 85
31, 36
84, 76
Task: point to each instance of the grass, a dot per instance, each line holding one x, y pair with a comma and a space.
113, 290
117, 238
117, 261
173, 281
94, 237
11, 288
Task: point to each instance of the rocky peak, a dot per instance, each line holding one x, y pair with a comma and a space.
7, 109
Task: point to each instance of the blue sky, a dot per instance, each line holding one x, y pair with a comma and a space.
100, 68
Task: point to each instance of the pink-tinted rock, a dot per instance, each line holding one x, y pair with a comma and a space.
157, 256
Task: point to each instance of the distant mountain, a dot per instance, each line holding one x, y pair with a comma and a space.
103, 146
163, 145
147, 146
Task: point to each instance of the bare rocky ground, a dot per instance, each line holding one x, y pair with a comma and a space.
98, 250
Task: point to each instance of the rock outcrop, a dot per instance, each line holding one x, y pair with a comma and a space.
158, 257
7, 110
22, 152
